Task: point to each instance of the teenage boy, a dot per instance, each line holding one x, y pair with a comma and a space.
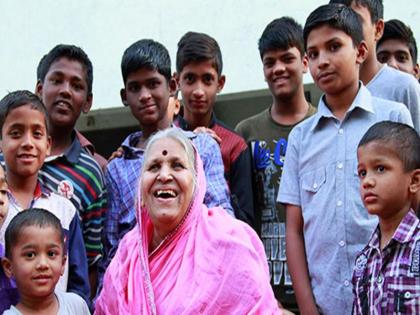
65, 87
386, 276
146, 72
326, 223
284, 63
398, 48
199, 76
382, 80
25, 144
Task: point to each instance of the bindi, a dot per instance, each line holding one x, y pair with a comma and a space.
164, 152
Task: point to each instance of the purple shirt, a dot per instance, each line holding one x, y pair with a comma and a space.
388, 281
8, 292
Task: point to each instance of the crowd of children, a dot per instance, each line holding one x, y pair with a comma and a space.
312, 181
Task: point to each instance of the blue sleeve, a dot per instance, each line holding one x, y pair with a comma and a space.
78, 281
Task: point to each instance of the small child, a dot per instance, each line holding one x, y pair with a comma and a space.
397, 48
8, 291
386, 276
35, 257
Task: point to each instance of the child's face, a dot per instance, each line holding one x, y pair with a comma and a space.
199, 83
147, 94
395, 53
385, 187
333, 59
283, 71
25, 142
65, 92
4, 200
37, 261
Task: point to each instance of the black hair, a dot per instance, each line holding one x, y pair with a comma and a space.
70, 52
146, 53
282, 33
335, 16
375, 7
403, 138
396, 29
198, 47
30, 217
20, 98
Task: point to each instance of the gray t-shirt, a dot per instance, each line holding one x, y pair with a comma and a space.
68, 304
398, 86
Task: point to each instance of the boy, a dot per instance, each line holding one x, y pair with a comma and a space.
35, 257
382, 80
386, 277
146, 71
25, 144
65, 86
284, 63
199, 76
326, 224
8, 291
397, 47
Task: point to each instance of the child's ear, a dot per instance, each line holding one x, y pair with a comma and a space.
362, 52
221, 83
7, 267
49, 144
416, 71
379, 29
88, 104
38, 88
173, 86
63, 266
305, 62
415, 181
123, 96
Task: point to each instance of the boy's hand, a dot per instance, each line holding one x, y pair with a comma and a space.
210, 132
116, 154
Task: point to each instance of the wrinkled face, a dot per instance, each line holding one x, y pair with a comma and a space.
167, 183
4, 200
395, 53
199, 84
65, 92
37, 261
384, 184
333, 59
25, 142
147, 93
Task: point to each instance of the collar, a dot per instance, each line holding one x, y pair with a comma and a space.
85, 143
182, 123
363, 100
130, 151
40, 192
72, 153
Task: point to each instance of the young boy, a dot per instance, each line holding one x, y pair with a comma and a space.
382, 80
146, 71
326, 223
199, 76
284, 63
8, 291
65, 86
386, 276
36, 257
25, 144
397, 47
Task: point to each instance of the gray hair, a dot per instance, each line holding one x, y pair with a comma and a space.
180, 137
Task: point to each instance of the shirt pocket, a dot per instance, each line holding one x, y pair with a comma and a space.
404, 295
312, 184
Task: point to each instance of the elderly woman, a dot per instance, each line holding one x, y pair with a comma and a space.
183, 258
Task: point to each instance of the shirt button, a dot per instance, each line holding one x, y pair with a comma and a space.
379, 279
346, 283
340, 165
315, 185
341, 243
340, 131
407, 295
339, 203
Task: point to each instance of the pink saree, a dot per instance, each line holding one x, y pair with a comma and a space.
211, 264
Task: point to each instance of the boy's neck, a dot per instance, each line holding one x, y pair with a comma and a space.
61, 140
149, 130
23, 188
341, 102
46, 305
291, 110
195, 121
389, 225
369, 68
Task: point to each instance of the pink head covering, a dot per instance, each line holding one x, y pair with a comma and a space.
210, 264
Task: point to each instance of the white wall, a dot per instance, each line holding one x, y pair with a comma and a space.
104, 28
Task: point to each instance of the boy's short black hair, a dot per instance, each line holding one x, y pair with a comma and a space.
146, 53
336, 16
404, 140
282, 33
375, 7
396, 29
70, 52
198, 47
30, 217
20, 98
